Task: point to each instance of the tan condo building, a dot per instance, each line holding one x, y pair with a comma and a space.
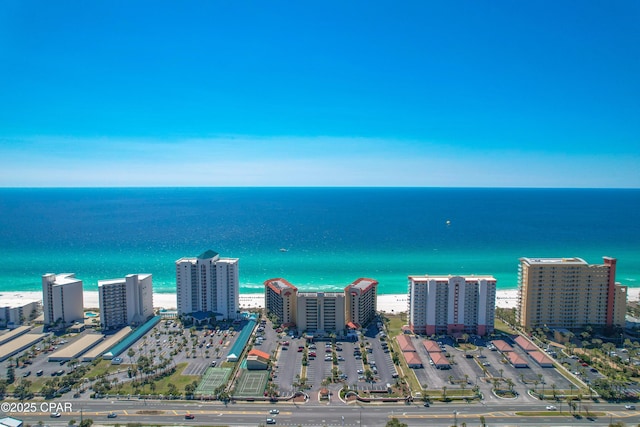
321, 312
570, 293
280, 299
361, 302
452, 304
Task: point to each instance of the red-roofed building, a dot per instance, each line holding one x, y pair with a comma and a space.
517, 361
412, 358
432, 346
440, 361
405, 343
280, 299
541, 359
361, 301
257, 360
502, 346
525, 344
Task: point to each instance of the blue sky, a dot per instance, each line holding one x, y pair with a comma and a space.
476, 93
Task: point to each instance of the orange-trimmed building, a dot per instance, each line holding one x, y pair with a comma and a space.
257, 360
405, 344
361, 301
280, 298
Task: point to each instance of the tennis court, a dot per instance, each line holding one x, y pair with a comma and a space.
251, 384
212, 379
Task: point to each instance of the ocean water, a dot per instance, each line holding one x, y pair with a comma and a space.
332, 236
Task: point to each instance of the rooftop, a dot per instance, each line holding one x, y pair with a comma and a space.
545, 261
208, 254
279, 284
363, 284
468, 278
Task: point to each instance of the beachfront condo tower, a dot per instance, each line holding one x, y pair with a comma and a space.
62, 299
361, 302
569, 293
280, 299
208, 286
321, 313
452, 304
125, 302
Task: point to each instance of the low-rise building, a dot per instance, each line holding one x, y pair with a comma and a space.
15, 314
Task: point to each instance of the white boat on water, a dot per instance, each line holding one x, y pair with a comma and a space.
284, 250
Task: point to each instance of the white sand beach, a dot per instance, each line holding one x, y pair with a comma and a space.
390, 303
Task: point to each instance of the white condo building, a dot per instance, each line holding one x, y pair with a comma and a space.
125, 302
17, 312
452, 304
62, 298
208, 284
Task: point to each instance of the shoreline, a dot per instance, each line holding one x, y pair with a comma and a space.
390, 303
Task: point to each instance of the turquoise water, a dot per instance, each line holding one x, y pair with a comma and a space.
332, 236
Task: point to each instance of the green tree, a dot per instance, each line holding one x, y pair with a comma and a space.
394, 422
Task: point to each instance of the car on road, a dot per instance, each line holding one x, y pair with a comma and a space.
551, 408
274, 411
26, 374
189, 416
55, 415
630, 407
426, 404
271, 421
112, 415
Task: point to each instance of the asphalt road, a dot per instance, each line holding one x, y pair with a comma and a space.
334, 414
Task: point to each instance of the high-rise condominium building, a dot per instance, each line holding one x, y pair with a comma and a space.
280, 299
126, 301
208, 284
569, 293
327, 312
452, 304
361, 301
320, 312
62, 298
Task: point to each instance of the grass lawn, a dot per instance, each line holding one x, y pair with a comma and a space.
104, 367
162, 385
500, 326
394, 328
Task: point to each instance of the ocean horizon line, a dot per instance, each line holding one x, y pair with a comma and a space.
359, 187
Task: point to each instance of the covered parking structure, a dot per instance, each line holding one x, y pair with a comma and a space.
440, 361
241, 341
516, 360
132, 338
525, 344
76, 348
413, 360
541, 359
